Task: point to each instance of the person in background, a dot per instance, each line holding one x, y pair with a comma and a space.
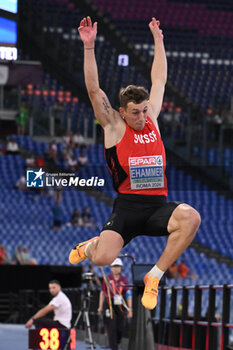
12, 147
72, 164
82, 159
58, 216
4, 257
52, 152
217, 120
58, 114
184, 271
172, 272
18, 256
21, 118
67, 140
76, 219
30, 160
21, 183
115, 302
27, 260
67, 153
2, 149
96, 283
40, 161
60, 305
58, 192
79, 140
87, 218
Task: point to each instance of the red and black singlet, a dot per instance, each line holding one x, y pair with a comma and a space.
138, 162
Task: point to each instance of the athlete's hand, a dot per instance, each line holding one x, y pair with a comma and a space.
87, 31
29, 323
100, 310
155, 30
130, 313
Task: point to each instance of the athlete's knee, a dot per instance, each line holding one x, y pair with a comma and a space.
189, 218
193, 218
185, 219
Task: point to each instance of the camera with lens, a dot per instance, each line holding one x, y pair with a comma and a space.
87, 276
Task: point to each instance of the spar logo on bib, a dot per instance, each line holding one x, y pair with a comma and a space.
159, 160
146, 172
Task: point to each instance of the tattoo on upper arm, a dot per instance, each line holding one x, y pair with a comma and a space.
106, 105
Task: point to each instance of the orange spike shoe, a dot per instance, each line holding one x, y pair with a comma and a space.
149, 298
77, 253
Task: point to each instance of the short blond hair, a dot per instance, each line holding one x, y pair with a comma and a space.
133, 93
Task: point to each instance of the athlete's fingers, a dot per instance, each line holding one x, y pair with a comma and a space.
89, 21
95, 26
154, 20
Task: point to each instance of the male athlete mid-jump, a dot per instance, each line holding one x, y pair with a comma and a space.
136, 158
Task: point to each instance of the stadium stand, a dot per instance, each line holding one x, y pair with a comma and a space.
32, 209
198, 60
196, 67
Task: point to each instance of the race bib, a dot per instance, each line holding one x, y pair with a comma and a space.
146, 172
117, 299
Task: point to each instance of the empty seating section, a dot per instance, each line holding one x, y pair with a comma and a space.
11, 168
192, 17
175, 14
60, 25
197, 38
214, 159
198, 43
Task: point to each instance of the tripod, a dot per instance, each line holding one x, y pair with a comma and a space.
85, 312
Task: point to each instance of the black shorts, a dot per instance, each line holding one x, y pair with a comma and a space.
136, 215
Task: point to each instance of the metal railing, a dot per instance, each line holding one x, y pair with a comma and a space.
194, 331
174, 325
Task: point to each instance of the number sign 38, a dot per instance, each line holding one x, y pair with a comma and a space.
51, 339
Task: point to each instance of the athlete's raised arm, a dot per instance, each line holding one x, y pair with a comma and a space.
158, 70
101, 105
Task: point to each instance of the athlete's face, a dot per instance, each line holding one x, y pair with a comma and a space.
54, 289
135, 114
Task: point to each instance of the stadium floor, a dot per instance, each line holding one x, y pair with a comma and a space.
15, 337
